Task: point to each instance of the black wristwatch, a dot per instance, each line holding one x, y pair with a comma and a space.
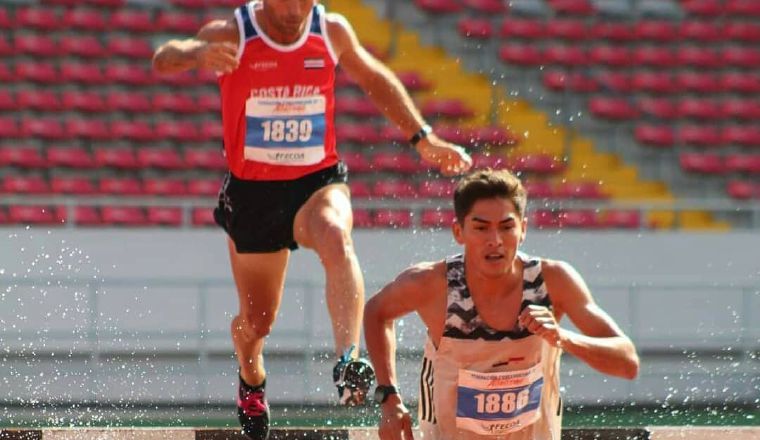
383, 391
425, 130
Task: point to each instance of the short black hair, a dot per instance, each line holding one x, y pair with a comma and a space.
487, 184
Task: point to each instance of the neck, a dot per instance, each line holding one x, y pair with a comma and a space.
266, 25
487, 284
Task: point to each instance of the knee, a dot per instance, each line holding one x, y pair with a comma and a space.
252, 326
334, 243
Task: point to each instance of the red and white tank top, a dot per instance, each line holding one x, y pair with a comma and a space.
278, 106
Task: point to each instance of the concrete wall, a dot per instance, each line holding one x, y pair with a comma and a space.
110, 315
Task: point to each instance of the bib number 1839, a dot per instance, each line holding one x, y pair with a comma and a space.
506, 403
290, 130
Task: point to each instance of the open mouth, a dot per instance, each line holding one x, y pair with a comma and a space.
494, 256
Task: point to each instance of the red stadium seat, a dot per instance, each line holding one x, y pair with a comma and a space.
543, 219
661, 108
360, 107
697, 108
69, 157
612, 108
133, 130
610, 56
124, 186
46, 128
40, 72
413, 81
392, 218
164, 216
702, 163
703, 8
655, 82
616, 218
619, 82
397, 163
211, 130
740, 82
78, 185
189, 4
446, 108
107, 3
575, 81
536, 163
130, 48
454, 133
513, 27
701, 82
520, 54
580, 190
82, 46
572, 56
700, 135
394, 189
746, 136
160, 158
480, 160
178, 130
356, 162
572, 7
174, 102
205, 158
743, 163
539, 189
391, 133
129, 74
45, 100
695, 56
492, 135
21, 156
742, 190
746, 32
362, 218
9, 128
655, 135
438, 6
744, 57
489, 7
581, 219
438, 188
436, 218
32, 215
662, 31
567, 29
203, 187
83, 215
612, 31
702, 31
123, 216
5, 47
360, 189
209, 102
35, 45
6, 22
171, 187
45, 19
360, 133
7, 100
76, 72
654, 56
121, 157
135, 20
184, 22
88, 19
742, 8
748, 109
25, 185
129, 101
88, 101
88, 128
475, 28
203, 217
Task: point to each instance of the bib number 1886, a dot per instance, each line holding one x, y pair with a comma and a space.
506, 403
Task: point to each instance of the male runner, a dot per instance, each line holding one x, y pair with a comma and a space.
286, 187
491, 362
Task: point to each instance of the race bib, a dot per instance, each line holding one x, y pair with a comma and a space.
285, 131
499, 403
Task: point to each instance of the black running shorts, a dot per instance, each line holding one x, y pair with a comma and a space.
258, 215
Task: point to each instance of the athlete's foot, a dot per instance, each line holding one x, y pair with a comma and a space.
253, 410
353, 377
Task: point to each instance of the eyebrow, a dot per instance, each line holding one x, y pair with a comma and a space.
480, 220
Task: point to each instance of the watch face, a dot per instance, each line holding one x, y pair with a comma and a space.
379, 395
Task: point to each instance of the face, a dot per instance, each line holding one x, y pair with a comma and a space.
287, 17
491, 234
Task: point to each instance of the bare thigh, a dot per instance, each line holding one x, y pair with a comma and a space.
330, 207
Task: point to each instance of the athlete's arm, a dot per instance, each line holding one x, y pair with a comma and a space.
601, 343
413, 290
213, 48
389, 95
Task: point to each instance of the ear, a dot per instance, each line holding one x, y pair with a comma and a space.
456, 230
524, 231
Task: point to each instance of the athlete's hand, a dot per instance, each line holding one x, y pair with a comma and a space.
449, 158
395, 421
218, 57
540, 321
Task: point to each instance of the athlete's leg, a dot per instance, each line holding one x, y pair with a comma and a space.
259, 278
324, 224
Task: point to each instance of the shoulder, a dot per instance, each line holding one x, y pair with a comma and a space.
220, 31
563, 282
340, 32
423, 274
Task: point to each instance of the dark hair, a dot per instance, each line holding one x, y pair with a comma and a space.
488, 184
